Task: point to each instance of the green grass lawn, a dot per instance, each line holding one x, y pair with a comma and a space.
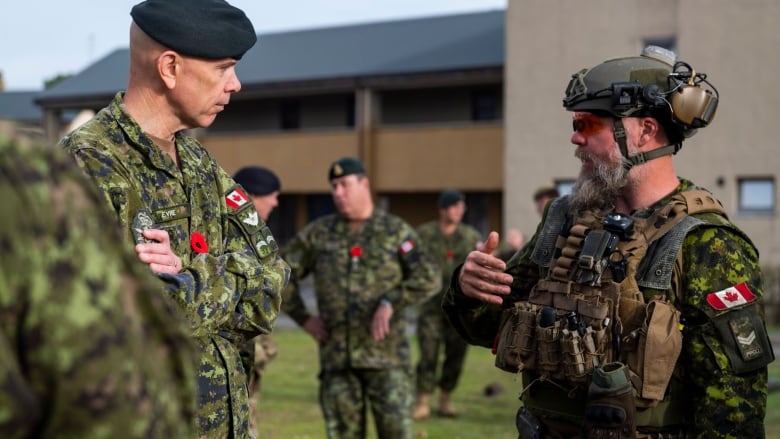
288, 407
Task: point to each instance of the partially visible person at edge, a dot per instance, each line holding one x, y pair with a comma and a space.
447, 240
263, 186
543, 195
206, 240
89, 348
514, 239
368, 268
685, 353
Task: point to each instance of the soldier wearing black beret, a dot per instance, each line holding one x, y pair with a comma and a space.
263, 186
183, 56
368, 268
346, 166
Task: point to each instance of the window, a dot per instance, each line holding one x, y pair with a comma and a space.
564, 186
669, 43
289, 114
486, 104
757, 195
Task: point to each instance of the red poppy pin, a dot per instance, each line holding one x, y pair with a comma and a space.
450, 255
198, 243
355, 253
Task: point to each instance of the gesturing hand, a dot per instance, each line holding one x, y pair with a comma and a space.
482, 276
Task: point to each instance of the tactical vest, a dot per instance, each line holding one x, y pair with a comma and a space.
590, 309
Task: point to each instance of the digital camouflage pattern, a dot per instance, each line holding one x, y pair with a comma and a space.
715, 256
232, 278
89, 349
389, 391
390, 266
434, 331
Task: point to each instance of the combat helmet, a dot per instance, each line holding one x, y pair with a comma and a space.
652, 84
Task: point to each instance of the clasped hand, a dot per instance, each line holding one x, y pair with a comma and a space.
158, 255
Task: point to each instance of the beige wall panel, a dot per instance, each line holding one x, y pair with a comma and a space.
735, 43
301, 160
434, 158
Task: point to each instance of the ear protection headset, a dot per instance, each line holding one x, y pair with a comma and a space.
691, 106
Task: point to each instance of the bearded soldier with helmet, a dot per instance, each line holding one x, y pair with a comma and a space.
636, 310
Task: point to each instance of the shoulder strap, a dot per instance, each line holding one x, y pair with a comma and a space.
669, 226
681, 205
554, 223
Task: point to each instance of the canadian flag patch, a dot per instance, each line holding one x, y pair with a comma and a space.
236, 198
407, 246
730, 297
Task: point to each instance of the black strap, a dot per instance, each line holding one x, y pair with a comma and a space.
632, 160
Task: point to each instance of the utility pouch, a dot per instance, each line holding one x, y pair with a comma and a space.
657, 348
515, 350
548, 330
573, 353
528, 426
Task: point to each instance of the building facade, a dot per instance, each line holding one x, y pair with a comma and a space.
473, 102
735, 43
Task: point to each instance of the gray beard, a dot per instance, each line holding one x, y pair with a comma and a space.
600, 190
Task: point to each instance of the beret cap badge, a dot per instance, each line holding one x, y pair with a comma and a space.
346, 166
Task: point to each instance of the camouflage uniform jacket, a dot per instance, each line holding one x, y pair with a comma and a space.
448, 251
721, 402
89, 348
353, 272
232, 278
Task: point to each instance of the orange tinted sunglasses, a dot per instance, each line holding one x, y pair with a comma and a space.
587, 124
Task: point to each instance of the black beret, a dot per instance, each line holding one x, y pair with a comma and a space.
345, 166
257, 180
449, 197
210, 29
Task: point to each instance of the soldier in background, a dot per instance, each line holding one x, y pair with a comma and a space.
208, 242
367, 269
514, 239
88, 346
636, 310
263, 187
543, 195
448, 241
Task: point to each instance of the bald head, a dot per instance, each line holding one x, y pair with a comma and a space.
144, 53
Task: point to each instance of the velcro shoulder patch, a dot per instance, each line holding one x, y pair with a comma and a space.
236, 197
733, 296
